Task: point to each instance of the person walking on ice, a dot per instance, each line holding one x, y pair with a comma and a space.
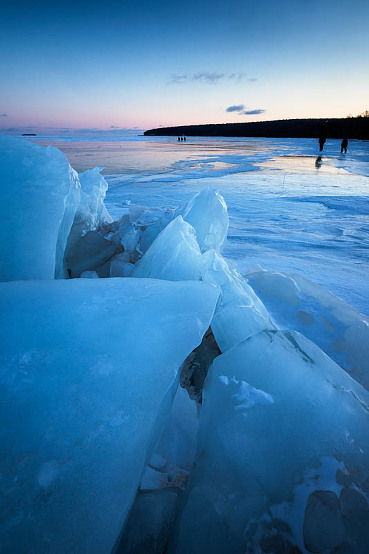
344, 144
321, 143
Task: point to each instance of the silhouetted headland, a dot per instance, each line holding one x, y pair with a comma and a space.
351, 128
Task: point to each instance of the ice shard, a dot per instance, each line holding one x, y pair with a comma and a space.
240, 313
39, 196
174, 255
208, 215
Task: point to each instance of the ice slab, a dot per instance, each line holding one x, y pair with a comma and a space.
89, 368
240, 313
174, 255
39, 195
207, 213
337, 328
283, 435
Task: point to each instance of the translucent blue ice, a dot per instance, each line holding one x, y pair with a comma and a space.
39, 196
89, 368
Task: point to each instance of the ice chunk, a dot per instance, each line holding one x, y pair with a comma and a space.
119, 266
151, 232
141, 225
39, 196
207, 213
89, 368
240, 313
131, 239
89, 275
87, 247
92, 211
174, 255
339, 330
89, 252
279, 420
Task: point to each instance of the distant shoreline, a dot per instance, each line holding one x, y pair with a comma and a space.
351, 128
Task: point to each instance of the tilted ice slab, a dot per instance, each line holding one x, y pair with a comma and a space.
89, 368
336, 327
174, 255
39, 195
283, 453
240, 313
208, 215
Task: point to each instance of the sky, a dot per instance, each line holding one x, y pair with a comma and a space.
141, 64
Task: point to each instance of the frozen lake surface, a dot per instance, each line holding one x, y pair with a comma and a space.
290, 210
229, 414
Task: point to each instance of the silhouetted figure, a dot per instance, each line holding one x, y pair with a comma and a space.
318, 162
179, 138
184, 138
344, 144
321, 143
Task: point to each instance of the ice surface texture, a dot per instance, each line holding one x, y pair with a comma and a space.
88, 371
279, 420
339, 330
39, 196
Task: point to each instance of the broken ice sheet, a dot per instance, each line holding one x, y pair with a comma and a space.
89, 368
337, 328
275, 408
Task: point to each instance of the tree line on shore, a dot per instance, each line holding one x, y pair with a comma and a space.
338, 128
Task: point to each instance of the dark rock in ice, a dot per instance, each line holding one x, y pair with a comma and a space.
196, 365
357, 531
324, 528
352, 501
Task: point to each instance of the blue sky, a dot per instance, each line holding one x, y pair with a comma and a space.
148, 63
